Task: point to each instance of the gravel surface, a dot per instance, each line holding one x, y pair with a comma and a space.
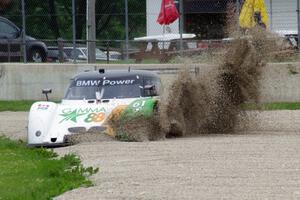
262, 163
252, 166
14, 124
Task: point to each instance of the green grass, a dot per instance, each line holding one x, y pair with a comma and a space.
15, 105
22, 105
272, 106
25, 106
35, 174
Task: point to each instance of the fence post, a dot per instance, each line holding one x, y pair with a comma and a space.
126, 31
107, 52
181, 25
74, 28
24, 32
8, 49
60, 44
298, 12
91, 31
237, 8
271, 15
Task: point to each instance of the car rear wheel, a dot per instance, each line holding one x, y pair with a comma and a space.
37, 55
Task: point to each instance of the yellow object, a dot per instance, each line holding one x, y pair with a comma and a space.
249, 12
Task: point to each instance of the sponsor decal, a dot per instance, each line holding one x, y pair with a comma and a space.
42, 107
11, 54
138, 105
105, 82
118, 82
86, 83
93, 114
95, 117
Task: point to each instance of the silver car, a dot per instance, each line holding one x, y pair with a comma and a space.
81, 54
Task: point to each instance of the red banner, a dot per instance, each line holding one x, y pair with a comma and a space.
168, 12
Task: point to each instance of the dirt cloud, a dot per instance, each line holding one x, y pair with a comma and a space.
209, 103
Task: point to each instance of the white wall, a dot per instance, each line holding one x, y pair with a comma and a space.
26, 81
283, 15
154, 28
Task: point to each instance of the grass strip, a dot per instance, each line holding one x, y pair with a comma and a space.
272, 106
25, 105
38, 173
15, 106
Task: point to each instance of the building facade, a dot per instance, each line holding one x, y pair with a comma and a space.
207, 18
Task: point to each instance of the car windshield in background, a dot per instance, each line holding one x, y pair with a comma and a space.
109, 92
100, 53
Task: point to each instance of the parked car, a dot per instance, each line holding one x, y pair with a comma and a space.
114, 55
291, 37
11, 42
81, 54
112, 52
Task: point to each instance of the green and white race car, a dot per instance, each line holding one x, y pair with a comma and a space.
91, 101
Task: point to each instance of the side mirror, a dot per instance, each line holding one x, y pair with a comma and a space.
17, 34
46, 91
150, 90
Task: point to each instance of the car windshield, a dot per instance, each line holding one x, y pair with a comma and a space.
108, 92
127, 86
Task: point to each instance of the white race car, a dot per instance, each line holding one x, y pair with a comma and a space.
91, 100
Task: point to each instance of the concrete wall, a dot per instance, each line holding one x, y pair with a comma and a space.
280, 82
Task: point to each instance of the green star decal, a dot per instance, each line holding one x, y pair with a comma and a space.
71, 116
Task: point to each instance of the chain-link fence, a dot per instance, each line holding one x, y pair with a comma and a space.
201, 25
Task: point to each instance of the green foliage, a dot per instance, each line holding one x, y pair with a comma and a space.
51, 19
31, 173
122, 136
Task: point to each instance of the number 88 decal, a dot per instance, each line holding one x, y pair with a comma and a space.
95, 117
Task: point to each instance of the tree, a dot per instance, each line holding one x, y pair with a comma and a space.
53, 18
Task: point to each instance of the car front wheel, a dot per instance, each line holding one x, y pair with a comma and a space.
37, 55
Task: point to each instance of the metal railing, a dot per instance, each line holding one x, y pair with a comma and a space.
118, 22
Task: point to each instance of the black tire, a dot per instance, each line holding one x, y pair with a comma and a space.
37, 55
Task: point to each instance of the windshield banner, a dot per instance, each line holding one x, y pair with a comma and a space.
105, 82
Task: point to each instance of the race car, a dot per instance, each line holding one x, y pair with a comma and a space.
92, 99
